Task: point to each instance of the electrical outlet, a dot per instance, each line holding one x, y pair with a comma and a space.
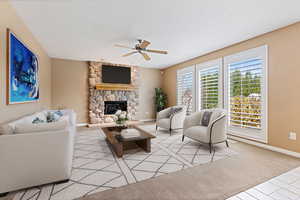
292, 136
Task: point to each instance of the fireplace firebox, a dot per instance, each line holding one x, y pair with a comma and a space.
111, 107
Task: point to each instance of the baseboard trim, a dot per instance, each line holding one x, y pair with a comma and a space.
96, 125
81, 124
147, 120
265, 146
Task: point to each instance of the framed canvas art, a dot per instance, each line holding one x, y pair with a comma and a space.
22, 72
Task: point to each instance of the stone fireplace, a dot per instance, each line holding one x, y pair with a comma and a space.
98, 98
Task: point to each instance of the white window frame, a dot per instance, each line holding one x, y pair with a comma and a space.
182, 71
262, 53
205, 65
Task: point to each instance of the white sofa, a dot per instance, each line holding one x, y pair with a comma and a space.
37, 157
214, 133
170, 121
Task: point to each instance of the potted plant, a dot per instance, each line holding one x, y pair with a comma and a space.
160, 99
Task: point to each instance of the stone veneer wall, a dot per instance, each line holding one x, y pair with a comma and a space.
97, 97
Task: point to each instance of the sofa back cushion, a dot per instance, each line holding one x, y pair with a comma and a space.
9, 127
40, 127
6, 129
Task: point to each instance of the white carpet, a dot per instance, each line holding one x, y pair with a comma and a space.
96, 168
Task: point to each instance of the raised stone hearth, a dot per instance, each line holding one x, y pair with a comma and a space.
98, 97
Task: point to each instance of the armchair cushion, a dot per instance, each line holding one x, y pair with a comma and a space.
192, 120
197, 133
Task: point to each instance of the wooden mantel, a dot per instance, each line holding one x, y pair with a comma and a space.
120, 87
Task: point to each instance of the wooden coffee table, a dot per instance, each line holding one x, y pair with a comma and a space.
119, 144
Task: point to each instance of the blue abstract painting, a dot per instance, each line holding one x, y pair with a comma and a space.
22, 71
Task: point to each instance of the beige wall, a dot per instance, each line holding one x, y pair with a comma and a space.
9, 19
70, 87
283, 81
150, 79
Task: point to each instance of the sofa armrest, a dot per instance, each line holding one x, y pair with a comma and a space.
192, 120
72, 116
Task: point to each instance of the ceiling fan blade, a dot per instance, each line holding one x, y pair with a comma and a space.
128, 54
123, 46
144, 44
146, 57
156, 51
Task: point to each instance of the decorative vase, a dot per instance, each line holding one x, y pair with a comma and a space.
121, 117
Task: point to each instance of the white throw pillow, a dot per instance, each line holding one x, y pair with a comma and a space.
30, 118
40, 127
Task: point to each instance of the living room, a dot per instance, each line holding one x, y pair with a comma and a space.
126, 100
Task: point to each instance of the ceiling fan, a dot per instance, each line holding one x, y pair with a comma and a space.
141, 48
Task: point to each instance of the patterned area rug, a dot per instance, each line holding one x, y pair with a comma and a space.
96, 168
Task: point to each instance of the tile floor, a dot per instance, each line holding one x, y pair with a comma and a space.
283, 187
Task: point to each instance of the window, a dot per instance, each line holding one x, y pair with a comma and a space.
209, 90
185, 88
245, 93
237, 83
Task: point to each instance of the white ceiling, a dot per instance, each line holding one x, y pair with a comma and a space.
88, 29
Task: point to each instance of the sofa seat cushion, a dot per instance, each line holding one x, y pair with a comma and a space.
41, 127
197, 133
164, 123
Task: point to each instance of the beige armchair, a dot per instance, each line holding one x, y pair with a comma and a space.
214, 133
165, 119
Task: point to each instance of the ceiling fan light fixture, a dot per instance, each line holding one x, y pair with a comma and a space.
141, 48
